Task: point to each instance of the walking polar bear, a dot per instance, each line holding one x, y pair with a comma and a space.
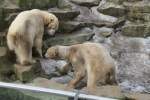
27, 31
88, 59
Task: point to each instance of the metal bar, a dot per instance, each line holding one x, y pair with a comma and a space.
52, 91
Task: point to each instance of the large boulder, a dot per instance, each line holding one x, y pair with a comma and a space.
42, 4
132, 56
64, 14
70, 26
78, 36
51, 67
138, 12
136, 30
121, 1
112, 9
93, 17
101, 34
101, 17
88, 3
65, 4
133, 72
138, 7
136, 17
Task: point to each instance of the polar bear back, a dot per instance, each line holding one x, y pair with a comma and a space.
27, 22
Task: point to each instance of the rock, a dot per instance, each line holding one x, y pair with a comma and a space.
131, 54
6, 8
104, 31
10, 17
6, 70
65, 4
101, 17
64, 14
2, 51
130, 74
85, 14
79, 36
129, 44
138, 12
138, 7
67, 78
51, 67
70, 26
63, 79
119, 23
101, 34
98, 39
93, 17
112, 9
27, 73
116, 1
136, 30
87, 3
121, 1
40, 4
136, 17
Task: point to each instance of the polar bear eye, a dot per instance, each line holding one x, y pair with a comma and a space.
51, 20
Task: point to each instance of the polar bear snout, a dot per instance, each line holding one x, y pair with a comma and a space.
46, 55
51, 32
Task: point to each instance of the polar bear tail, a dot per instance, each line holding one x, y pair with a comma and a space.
11, 42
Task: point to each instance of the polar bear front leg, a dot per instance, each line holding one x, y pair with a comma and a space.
79, 75
38, 44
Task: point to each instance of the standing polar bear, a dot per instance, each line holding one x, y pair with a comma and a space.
27, 31
88, 59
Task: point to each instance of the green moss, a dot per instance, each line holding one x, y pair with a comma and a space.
41, 4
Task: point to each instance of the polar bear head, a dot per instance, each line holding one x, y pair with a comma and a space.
52, 24
52, 52
51, 21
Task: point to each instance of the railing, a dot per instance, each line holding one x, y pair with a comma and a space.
75, 95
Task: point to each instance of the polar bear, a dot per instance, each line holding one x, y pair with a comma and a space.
88, 59
27, 31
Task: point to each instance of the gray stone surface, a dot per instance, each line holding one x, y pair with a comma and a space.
79, 36
138, 7
112, 9
70, 26
136, 30
51, 66
132, 56
86, 2
29, 4
64, 14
